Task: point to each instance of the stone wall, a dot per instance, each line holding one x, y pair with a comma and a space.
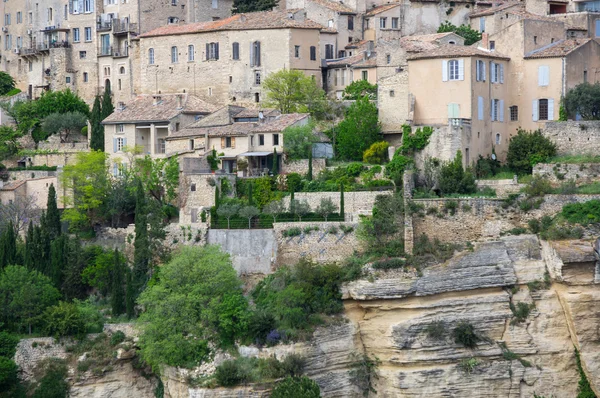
326, 244
253, 251
301, 166
574, 138
29, 174
584, 173
129, 329
31, 351
198, 193
355, 203
56, 145
503, 188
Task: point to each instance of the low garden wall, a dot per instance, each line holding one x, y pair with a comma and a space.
574, 138
503, 188
558, 173
300, 166
29, 174
323, 242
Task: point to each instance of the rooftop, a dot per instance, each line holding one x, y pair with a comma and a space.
420, 43
380, 9
559, 48
11, 186
159, 108
453, 50
249, 21
495, 8
357, 61
335, 6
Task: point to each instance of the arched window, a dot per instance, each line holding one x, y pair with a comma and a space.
122, 70
174, 55
151, 56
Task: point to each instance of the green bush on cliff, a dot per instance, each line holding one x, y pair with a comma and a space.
296, 387
464, 334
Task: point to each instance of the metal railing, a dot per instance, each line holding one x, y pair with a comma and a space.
124, 27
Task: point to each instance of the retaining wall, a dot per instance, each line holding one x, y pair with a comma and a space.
503, 188
558, 173
253, 251
574, 138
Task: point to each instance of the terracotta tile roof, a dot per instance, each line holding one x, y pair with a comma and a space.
276, 124
11, 186
249, 112
420, 43
452, 50
559, 48
357, 61
335, 6
249, 21
495, 8
144, 109
380, 9
357, 44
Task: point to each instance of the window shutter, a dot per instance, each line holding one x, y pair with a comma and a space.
232, 142
114, 145
251, 54
550, 109
444, 70
222, 142
546, 75
257, 53
477, 70
217, 50
535, 110
501, 110
493, 72
124, 142
543, 75
480, 108
501, 73
450, 111
207, 51
483, 64
461, 69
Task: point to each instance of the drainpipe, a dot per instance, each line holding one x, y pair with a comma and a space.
564, 78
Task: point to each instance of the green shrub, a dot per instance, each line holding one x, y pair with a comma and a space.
436, 330
117, 338
64, 319
291, 232
582, 213
464, 334
296, 387
454, 179
466, 208
517, 231
468, 365
377, 153
450, 206
8, 344
562, 232
332, 230
534, 225
354, 169
294, 182
234, 372
308, 230
8, 373
520, 312
346, 229
53, 384
538, 186
584, 389
390, 263
526, 149
540, 285
260, 324
425, 247
293, 365
432, 211
364, 372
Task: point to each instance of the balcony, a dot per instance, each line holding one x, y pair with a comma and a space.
123, 27
120, 52
104, 26
106, 51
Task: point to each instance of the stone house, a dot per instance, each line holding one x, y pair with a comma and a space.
235, 133
34, 188
342, 72
143, 125
227, 60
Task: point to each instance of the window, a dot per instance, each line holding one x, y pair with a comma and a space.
172, 20
191, 53
498, 138
453, 72
534, 39
76, 35
85, 77
82, 54
496, 72
388, 59
75, 6
255, 54
68, 79
120, 144
31, 67
382, 22
497, 110
87, 6
313, 53
119, 85
297, 51
215, 4
251, 140
350, 22
330, 23
6, 19
328, 51
480, 70
235, 50
256, 97
543, 75
120, 128
227, 142
20, 17
543, 109
482, 24
494, 110
492, 45
151, 56
394, 23
261, 139
365, 75
257, 78
514, 113
88, 34
392, 93
50, 15
341, 54
585, 76
212, 51
162, 145
174, 55
193, 187
122, 70
210, 91
191, 144
173, 2
275, 139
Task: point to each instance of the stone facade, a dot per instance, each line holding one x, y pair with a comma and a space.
31, 351
301, 166
557, 174
327, 244
27, 174
574, 138
200, 194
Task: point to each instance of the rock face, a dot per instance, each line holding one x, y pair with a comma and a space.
122, 382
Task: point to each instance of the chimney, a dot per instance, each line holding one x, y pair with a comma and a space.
179, 101
156, 100
485, 40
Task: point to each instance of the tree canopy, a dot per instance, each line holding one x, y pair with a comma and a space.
298, 141
471, 36
7, 83
583, 100
526, 149
292, 91
241, 6
360, 88
64, 124
358, 131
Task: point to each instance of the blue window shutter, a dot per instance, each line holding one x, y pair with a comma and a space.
124, 142
115, 169
114, 145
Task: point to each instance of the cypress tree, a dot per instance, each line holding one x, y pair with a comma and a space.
141, 245
73, 285
59, 252
117, 296
250, 199
292, 203
97, 129
52, 215
30, 246
8, 246
342, 215
43, 253
217, 197
275, 162
107, 106
129, 296
309, 175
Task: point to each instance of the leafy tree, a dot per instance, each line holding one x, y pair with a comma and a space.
228, 210
377, 153
20, 212
141, 244
64, 124
8, 373
394, 170
299, 208
97, 131
298, 141
9, 145
7, 83
242, 6
454, 178
8, 344
52, 215
98, 273
526, 149
54, 382
159, 177
117, 293
292, 91
358, 131
63, 320
249, 212
193, 305
274, 209
262, 191
583, 100
326, 207
471, 36
360, 88
60, 102
384, 226
88, 180
24, 296
296, 387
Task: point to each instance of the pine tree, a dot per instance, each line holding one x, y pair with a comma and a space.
129, 296
342, 215
309, 175
52, 215
117, 296
30, 246
8, 246
141, 245
59, 252
97, 129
